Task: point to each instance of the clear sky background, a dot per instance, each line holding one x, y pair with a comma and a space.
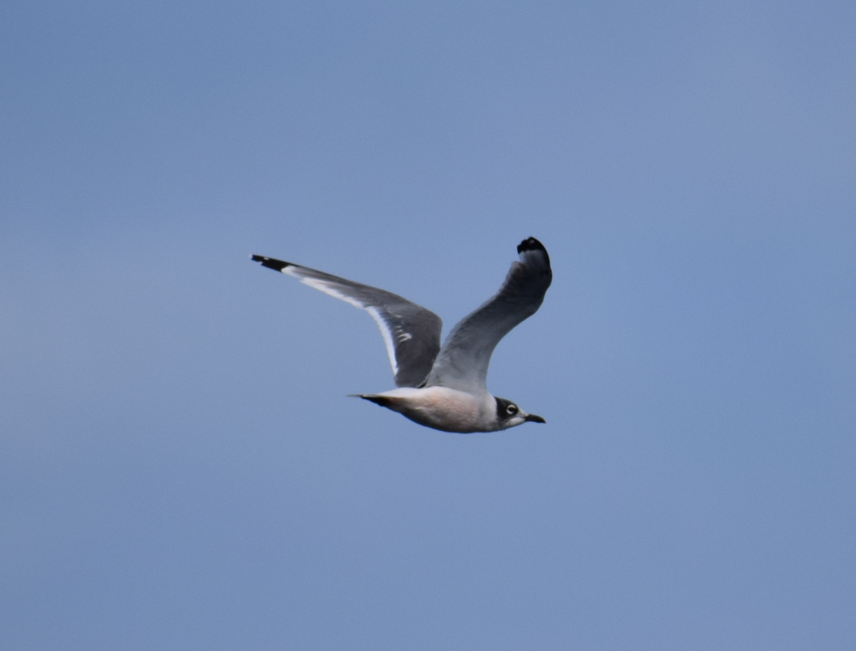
179, 465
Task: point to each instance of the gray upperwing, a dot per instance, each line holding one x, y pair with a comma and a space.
464, 359
411, 333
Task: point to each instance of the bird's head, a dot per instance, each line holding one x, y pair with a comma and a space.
509, 414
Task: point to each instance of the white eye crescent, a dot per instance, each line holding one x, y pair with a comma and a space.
511, 410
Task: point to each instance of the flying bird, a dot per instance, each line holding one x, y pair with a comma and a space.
444, 388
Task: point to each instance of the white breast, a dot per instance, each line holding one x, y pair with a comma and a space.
445, 409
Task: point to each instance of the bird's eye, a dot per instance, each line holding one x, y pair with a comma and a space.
511, 409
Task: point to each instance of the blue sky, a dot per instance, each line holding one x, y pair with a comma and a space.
180, 466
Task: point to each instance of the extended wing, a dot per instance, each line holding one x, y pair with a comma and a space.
411, 333
465, 357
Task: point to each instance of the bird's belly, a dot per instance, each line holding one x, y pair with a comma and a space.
444, 409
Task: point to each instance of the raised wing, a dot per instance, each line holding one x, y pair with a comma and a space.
411, 333
465, 357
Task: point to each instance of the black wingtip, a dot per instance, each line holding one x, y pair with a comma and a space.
271, 263
530, 244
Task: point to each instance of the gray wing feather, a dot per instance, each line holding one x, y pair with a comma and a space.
464, 359
411, 333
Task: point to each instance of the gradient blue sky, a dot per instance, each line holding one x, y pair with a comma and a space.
179, 465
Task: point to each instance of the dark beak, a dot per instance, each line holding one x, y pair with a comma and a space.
532, 418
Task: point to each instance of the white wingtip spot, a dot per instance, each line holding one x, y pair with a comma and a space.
534, 258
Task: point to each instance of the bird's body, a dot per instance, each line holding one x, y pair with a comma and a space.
442, 408
444, 387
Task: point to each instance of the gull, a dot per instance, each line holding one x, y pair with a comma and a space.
443, 388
